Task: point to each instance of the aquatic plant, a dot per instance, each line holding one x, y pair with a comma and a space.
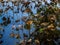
44, 23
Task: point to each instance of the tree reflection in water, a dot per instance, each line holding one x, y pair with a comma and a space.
25, 27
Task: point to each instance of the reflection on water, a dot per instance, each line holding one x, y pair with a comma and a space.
13, 16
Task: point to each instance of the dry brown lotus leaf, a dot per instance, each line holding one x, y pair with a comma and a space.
49, 39
23, 42
12, 34
26, 3
52, 17
17, 35
27, 26
51, 26
53, 29
29, 40
36, 15
56, 0
1, 0
16, 4
29, 22
28, 10
44, 24
37, 41
24, 18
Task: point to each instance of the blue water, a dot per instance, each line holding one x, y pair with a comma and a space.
7, 40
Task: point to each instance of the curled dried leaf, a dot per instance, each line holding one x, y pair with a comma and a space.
12, 34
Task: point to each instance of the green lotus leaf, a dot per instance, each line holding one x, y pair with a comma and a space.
41, 30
